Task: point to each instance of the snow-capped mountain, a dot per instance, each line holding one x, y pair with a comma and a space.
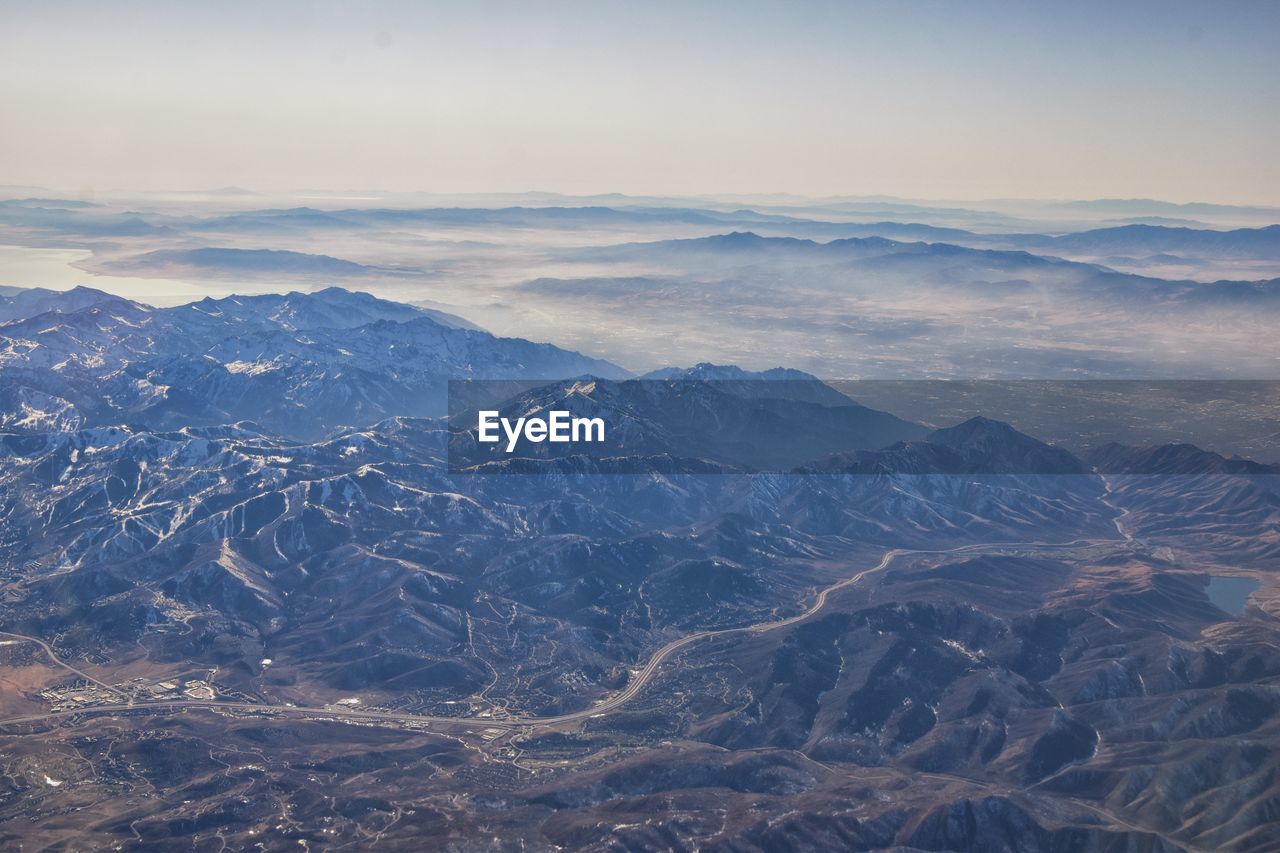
297, 363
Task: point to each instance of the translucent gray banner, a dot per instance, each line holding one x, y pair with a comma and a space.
795, 424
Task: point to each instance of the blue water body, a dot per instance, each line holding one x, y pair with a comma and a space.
1230, 593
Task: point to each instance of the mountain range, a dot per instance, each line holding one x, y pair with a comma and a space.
245, 560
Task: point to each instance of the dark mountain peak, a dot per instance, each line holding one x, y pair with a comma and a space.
708, 370
418, 324
977, 428
746, 239
335, 292
776, 382
999, 448
749, 240
1113, 458
979, 445
83, 290
873, 241
1142, 228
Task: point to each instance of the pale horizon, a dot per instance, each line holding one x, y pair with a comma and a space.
382, 194
1165, 101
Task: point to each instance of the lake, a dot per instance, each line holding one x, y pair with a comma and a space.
1230, 593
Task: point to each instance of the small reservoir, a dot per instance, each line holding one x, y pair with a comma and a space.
1230, 593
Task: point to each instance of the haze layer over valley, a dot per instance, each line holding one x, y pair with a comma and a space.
844, 288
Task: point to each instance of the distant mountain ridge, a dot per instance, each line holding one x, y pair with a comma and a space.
1138, 239
29, 302
780, 382
1115, 458
331, 308
1142, 239
232, 261
976, 446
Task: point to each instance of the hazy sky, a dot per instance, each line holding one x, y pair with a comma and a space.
939, 100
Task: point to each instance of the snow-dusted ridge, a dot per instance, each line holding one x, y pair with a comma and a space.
298, 363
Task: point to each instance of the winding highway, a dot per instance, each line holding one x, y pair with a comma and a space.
634, 686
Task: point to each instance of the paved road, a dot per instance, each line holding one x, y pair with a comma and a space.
633, 688
59, 661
